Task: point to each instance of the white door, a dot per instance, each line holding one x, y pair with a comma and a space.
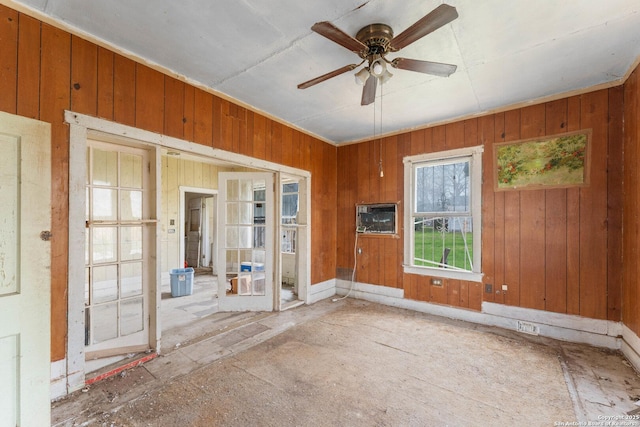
25, 281
194, 232
119, 230
245, 241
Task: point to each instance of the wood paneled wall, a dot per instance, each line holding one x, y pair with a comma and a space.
631, 209
44, 71
558, 250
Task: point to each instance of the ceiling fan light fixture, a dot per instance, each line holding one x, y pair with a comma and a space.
378, 67
362, 76
385, 77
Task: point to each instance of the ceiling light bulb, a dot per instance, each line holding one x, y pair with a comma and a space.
378, 67
362, 76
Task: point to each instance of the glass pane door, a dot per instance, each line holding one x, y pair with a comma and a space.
245, 215
115, 286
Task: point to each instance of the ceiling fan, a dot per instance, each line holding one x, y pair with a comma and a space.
373, 42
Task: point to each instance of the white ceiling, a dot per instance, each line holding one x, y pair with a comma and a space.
257, 51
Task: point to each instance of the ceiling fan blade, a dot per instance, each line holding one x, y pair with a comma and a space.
369, 90
438, 17
335, 34
427, 67
327, 76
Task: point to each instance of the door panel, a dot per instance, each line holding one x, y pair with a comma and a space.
25, 280
245, 241
118, 231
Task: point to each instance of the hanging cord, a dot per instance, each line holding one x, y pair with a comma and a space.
380, 170
353, 273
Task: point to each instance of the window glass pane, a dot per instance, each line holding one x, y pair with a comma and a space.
130, 170
443, 187
105, 322
443, 242
231, 237
233, 264
105, 244
232, 214
131, 316
289, 208
105, 204
131, 243
259, 236
105, 168
244, 237
105, 283
86, 285
290, 188
259, 194
246, 190
130, 205
130, 279
233, 190
245, 213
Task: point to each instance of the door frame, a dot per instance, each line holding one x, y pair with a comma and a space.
183, 189
71, 376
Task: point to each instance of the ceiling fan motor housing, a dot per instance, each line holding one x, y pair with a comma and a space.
377, 38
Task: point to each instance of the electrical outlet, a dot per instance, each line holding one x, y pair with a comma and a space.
504, 288
436, 282
488, 288
528, 328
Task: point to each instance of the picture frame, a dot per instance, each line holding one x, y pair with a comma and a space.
555, 161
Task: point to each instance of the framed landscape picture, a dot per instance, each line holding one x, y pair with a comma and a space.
555, 161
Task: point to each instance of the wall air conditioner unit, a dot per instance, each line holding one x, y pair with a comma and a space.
379, 218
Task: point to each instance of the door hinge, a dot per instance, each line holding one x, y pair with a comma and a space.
45, 235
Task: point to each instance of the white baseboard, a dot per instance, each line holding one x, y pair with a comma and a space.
320, 291
58, 386
631, 347
600, 333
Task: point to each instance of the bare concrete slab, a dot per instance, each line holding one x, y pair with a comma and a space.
362, 364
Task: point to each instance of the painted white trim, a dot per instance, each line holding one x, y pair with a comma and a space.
75, 294
58, 387
131, 133
183, 190
631, 346
320, 291
475, 153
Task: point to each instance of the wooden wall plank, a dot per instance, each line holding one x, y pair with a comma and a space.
532, 222
202, 118
573, 219
84, 76
499, 224
28, 67
8, 59
454, 135
630, 315
259, 136
593, 211
512, 221
54, 99
188, 128
149, 99
486, 136
124, 90
173, 107
105, 83
277, 153
417, 141
615, 203
556, 222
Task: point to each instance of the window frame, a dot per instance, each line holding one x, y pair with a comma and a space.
474, 155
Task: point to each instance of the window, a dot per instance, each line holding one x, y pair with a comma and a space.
442, 219
289, 217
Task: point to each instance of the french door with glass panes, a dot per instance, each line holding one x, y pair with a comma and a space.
116, 250
245, 238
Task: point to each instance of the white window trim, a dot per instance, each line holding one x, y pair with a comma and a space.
476, 209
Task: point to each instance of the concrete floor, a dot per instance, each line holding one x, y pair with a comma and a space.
357, 363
